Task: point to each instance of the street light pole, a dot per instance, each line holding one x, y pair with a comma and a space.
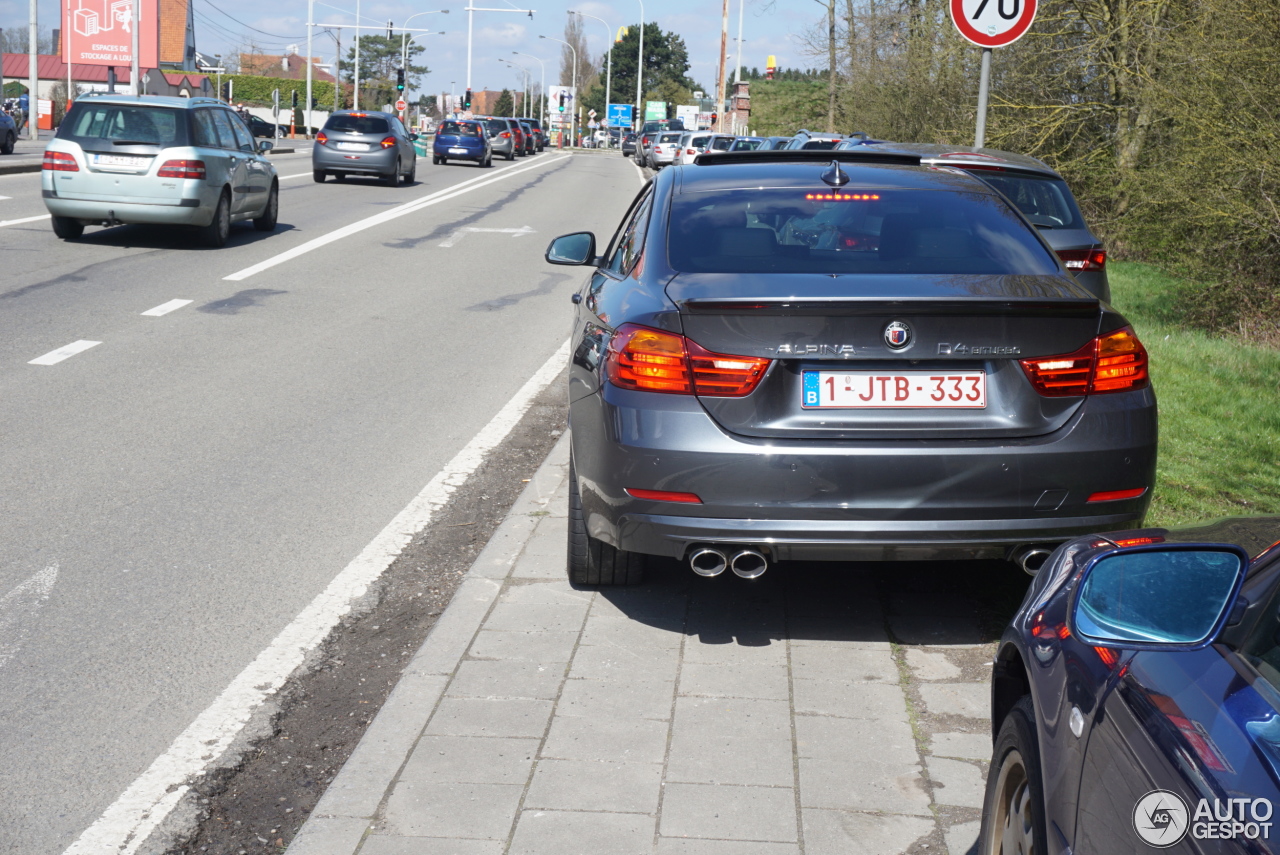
471, 10
525, 72
608, 78
542, 110
573, 117
638, 118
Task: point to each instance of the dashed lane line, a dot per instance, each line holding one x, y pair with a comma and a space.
4, 223
166, 308
126, 824
53, 357
385, 217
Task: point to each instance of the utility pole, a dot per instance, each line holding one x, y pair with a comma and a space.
33, 74
134, 70
639, 116
724, 42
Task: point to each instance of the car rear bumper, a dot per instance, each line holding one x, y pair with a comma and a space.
184, 212
858, 499
443, 151
378, 162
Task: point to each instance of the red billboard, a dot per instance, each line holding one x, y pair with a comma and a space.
100, 32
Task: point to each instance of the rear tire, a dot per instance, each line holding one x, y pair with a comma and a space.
592, 561
318, 175
392, 180
413, 172
216, 233
267, 222
1013, 818
511, 155
67, 228
9, 142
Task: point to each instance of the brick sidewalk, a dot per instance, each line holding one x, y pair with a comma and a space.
689, 716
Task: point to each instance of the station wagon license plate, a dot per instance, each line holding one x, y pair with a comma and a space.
353, 146
458, 151
118, 160
905, 389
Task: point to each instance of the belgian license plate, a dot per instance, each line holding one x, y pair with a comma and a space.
458, 151
118, 160
353, 146
903, 389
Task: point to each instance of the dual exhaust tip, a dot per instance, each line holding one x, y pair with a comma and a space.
746, 563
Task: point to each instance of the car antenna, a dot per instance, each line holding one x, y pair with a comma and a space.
834, 175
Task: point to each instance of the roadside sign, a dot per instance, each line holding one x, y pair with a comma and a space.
620, 115
401, 105
591, 113
655, 110
993, 23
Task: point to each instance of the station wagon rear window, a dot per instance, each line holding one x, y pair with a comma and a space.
357, 124
852, 231
99, 126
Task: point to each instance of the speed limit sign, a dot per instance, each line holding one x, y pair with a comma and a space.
993, 23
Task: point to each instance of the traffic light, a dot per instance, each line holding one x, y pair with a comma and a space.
399, 79
561, 100
714, 116
226, 92
671, 110
294, 95
466, 100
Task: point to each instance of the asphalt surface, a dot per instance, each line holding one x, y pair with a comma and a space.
172, 497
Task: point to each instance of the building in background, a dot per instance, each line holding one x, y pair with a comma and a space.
177, 35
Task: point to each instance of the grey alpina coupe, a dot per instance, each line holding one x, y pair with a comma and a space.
818, 355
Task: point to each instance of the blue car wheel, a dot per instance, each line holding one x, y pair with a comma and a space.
1013, 810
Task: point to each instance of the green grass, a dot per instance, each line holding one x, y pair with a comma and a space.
1219, 406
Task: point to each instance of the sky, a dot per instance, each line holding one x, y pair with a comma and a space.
769, 27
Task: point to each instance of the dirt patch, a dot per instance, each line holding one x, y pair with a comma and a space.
259, 804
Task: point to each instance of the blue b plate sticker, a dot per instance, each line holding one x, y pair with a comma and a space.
811, 388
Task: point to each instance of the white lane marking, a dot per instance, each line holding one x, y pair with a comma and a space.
166, 308
4, 223
6, 197
384, 217
18, 610
639, 171
149, 799
295, 175
53, 357
457, 236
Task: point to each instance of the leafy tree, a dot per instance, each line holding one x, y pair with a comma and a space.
666, 61
379, 59
505, 105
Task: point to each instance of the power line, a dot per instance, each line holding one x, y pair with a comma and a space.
255, 29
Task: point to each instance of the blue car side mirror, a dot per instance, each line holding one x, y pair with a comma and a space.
1157, 597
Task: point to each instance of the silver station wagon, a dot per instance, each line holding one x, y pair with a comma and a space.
121, 159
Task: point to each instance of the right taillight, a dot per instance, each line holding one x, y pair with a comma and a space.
59, 161
182, 169
1083, 259
322, 139
651, 360
1112, 362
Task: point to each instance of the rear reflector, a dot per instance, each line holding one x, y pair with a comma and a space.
182, 169
59, 161
1083, 259
664, 496
1112, 362
655, 361
1116, 495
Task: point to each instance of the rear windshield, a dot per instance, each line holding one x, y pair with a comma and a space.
1045, 201
497, 126
746, 145
357, 124
670, 138
902, 231
721, 143
819, 145
461, 129
124, 124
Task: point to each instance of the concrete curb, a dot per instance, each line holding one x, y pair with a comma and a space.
15, 168
340, 820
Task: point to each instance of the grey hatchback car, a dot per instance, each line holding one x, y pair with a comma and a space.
153, 159
1042, 196
364, 143
821, 355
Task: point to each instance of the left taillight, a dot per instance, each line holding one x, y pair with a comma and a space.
1083, 259
59, 161
389, 142
651, 360
182, 169
1112, 362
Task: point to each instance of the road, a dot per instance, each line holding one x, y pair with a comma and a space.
173, 496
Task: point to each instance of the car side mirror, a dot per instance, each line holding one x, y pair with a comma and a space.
578, 248
1157, 597
265, 146
413, 137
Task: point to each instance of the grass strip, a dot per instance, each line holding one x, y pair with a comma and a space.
1219, 406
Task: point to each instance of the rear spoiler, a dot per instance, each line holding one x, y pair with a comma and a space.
853, 155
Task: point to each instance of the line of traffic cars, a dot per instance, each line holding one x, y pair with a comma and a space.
481, 138
876, 351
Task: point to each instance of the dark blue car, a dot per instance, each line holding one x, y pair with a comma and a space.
1136, 697
462, 140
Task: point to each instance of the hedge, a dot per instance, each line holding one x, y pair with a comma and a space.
256, 90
